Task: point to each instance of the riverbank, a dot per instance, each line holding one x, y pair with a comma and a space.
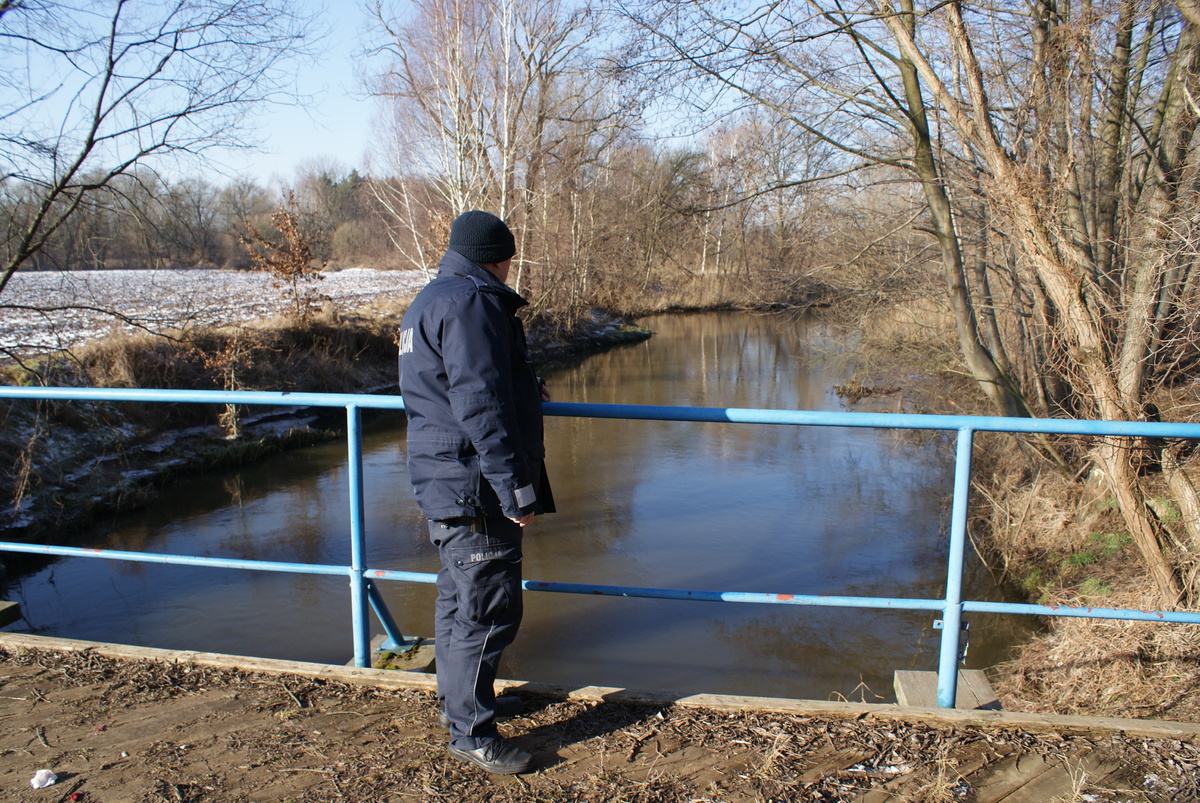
69, 463
1057, 538
126, 723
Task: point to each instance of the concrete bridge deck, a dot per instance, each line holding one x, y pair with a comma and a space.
121, 723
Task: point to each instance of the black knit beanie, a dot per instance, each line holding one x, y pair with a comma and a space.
482, 237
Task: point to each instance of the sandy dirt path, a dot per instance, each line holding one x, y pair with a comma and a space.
142, 730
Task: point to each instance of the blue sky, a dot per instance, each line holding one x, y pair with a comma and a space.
336, 125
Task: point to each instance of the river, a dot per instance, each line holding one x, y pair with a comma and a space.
800, 510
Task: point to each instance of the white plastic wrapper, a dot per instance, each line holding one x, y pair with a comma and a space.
42, 779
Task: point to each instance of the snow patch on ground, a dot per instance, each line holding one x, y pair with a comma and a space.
57, 310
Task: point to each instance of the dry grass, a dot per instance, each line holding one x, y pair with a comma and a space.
327, 353
60, 463
912, 344
684, 290
942, 786
1140, 670
1043, 524
1060, 539
1063, 542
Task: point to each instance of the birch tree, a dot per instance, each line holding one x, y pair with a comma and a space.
482, 98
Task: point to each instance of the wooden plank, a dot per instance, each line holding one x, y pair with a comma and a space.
1067, 779
920, 689
828, 761
878, 796
9, 612
383, 678
973, 685
1009, 777
964, 762
417, 656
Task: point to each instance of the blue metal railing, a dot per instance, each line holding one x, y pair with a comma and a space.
365, 595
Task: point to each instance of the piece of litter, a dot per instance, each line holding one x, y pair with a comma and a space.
42, 779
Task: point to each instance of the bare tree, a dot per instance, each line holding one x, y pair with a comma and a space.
484, 98
1055, 146
188, 225
92, 90
244, 207
1091, 178
826, 72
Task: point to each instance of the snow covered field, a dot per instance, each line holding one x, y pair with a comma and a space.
70, 306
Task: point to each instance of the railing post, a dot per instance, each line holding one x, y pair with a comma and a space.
947, 693
358, 540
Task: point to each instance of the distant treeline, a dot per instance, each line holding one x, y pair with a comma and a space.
142, 221
647, 229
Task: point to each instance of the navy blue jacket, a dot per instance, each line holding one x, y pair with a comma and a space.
475, 442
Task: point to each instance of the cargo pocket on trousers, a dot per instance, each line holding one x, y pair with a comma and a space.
489, 582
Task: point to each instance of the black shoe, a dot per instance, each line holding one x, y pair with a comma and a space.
499, 757
507, 707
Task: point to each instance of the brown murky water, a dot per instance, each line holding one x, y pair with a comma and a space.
723, 507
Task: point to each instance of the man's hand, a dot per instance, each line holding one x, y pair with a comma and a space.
528, 517
545, 392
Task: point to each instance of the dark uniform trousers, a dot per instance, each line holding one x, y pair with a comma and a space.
477, 615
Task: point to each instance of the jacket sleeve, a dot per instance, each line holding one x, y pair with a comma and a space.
477, 344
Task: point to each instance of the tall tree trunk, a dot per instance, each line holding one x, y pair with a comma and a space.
1150, 257
999, 388
1064, 269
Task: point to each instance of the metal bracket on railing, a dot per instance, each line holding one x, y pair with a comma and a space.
964, 642
401, 647
394, 640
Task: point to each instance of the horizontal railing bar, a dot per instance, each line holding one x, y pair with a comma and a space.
882, 603
811, 600
181, 560
1128, 614
243, 397
530, 585
686, 594
825, 418
404, 577
831, 418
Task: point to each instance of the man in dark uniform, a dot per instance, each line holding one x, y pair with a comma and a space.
476, 458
